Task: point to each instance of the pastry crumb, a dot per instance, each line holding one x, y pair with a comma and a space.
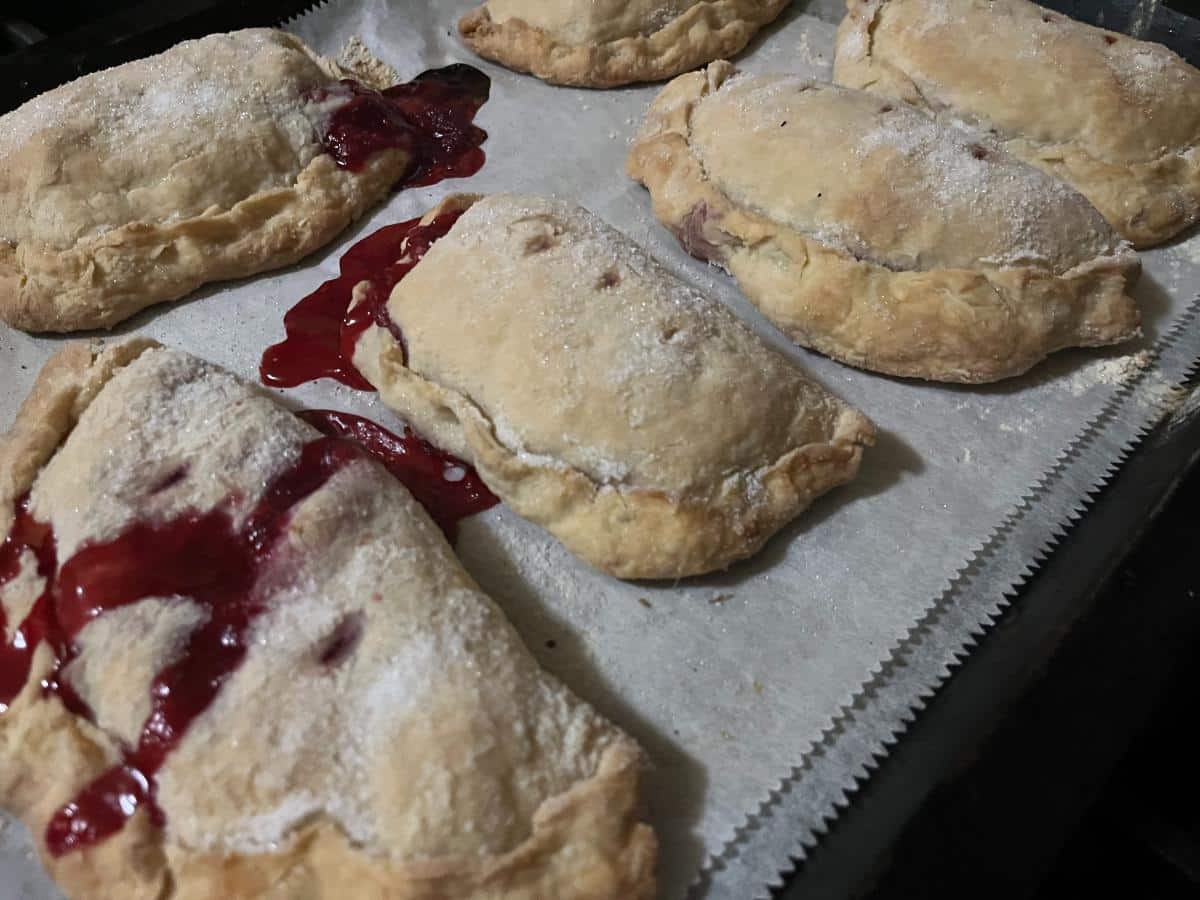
365, 65
1116, 370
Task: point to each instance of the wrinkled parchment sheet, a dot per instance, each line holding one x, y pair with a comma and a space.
726, 680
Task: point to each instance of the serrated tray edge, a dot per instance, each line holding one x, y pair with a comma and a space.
303, 11
950, 627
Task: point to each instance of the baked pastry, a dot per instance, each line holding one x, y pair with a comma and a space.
867, 231
239, 660
635, 419
217, 159
605, 43
1116, 117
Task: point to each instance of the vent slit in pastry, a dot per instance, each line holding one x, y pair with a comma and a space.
635, 419
605, 43
262, 670
1116, 117
866, 230
217, 159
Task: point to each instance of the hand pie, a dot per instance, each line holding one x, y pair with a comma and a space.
605, 43
217, 159
239, 660
636, 420
1116, 117
869, 232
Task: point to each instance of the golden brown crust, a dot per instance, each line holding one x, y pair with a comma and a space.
109, 273
49, 756
630, 531
1117, 118
103, 280
711, 29
63, 389
586, 842
947, 324
49, 753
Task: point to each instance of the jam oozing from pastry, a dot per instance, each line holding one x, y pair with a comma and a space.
322, 329
693, 237
448, 488
430, 118
204, 557
229, 569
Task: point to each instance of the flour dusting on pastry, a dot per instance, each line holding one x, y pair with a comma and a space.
373, 713
635, 418
210, 161
1116, 117
867, 230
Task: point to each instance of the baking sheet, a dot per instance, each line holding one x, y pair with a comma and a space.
728, 681
790, 822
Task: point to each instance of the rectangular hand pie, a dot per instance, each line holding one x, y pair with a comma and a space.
635, 419
605, 43
239, 660
866, 230
1116, 117
217, 159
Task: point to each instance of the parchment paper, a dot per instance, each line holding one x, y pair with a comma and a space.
727, 681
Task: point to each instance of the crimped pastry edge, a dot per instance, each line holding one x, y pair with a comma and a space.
712, 29
628, 533
962, 325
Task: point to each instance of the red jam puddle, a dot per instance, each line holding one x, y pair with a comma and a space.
430, 118
448, 488
229, 570
322, 329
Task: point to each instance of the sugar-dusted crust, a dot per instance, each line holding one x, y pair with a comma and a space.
1116, 117
586, 844
636, 420
487, 718
924, 256
221, 178
65, 386
528, 35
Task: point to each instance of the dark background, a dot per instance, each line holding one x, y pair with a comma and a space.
1088, 784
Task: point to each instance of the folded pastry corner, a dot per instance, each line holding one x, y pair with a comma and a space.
867, 231
586, 43
1116, 117
239, 660
219, 158
635, 419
